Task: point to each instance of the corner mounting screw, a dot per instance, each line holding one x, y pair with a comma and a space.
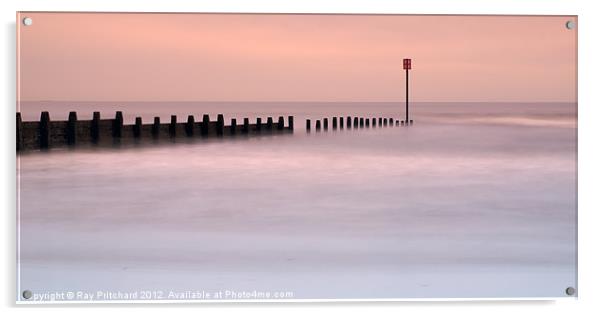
570, 291
570, 25
27, 294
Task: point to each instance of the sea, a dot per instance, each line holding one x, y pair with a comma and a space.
474, 200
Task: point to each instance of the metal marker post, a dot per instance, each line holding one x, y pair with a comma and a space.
407, 65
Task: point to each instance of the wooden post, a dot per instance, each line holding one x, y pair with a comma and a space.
348, 122
44, 130
318, 125
308, 125
19, 132
156, 126
325, 124
220, 125
205, 125
118, 124
95, 127
172, 126
270, 123
361, 122
190, 126
334, 123
281, 123
291, 122
245, 125
355, 122
258, 124
341, 122
232, 126
137, 127
71, 127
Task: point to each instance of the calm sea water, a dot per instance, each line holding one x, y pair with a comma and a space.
474, 200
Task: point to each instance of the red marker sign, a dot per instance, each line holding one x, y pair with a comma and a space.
407, 64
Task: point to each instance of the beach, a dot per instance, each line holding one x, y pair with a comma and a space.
473, 200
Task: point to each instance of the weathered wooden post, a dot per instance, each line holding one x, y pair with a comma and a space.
95, 127
19, 132
156, 127
325, 124
348, 122
258, 124
281, 123
118, 124
270, 123
172, 126
232, 126
361, 122
245, 125
355, 122
220, 125
190, 126
341, 122
205, 125
138, 127
291, 122
318, 125
71, 127
44, 130
334, 123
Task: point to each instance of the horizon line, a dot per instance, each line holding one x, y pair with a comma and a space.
292, 101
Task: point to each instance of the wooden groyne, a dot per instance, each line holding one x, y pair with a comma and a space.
355, 123
47, 133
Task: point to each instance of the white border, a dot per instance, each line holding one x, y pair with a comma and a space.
302, 300
589, 131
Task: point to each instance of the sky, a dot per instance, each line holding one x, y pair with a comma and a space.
254, 57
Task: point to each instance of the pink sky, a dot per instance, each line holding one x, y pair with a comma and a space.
233, 57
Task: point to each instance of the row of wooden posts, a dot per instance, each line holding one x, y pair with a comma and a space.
47, 133
357, 122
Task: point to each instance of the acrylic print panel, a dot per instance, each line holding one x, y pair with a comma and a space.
281, 156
